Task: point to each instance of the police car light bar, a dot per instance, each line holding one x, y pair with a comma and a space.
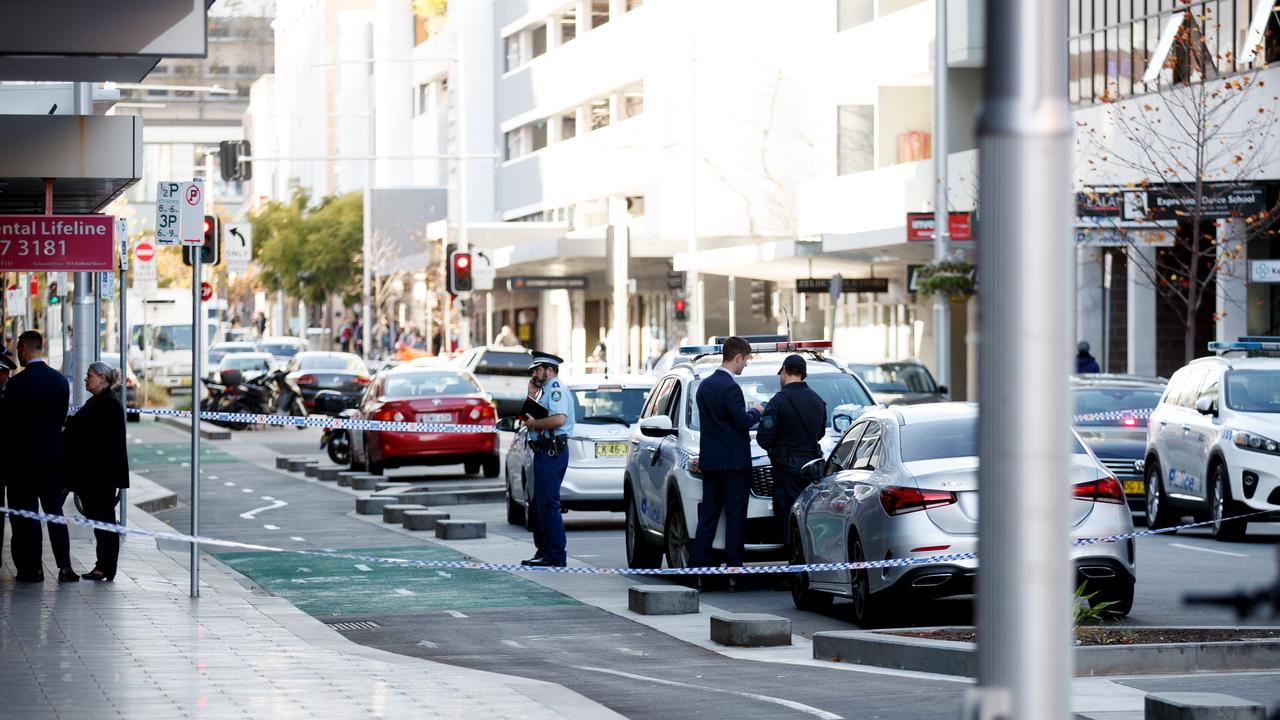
767, 347
1243, 346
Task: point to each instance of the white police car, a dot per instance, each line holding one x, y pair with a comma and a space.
662, 492
1213, 442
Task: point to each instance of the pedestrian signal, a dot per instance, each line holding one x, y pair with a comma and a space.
682, 309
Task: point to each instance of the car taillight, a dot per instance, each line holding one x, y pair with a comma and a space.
902, 500
389, 416
482, 412
362, 381
1107, 490
306, 380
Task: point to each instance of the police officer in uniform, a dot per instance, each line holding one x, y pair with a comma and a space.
795, 419
549, 440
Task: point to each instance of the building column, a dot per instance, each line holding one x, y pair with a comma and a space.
1141, 312
578, 344
1233, 281
1089, 299
619, 254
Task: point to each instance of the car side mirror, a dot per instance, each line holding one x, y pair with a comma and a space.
508, 424
811, 472
942, 390
657, 426
1207, 406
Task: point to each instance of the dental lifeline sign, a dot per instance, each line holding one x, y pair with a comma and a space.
57, 243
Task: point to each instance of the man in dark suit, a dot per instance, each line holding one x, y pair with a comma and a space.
7, 366
724, 455
36, 403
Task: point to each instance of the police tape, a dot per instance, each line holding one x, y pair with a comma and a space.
468, 564
1136, 414
319, 421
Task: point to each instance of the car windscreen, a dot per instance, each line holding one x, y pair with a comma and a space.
350, 363
834, 388
897, 378
1253, 391
427, 384
172, 337
503, 363
952, 438
609, 405
1121, 401
232, 362
280, 349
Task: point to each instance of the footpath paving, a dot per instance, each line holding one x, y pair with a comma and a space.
141, 647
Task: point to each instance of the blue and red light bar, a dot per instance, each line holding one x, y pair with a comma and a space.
767, 347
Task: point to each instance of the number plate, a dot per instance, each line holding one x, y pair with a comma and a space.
611, 450
435, 417
184, 381
1134, 487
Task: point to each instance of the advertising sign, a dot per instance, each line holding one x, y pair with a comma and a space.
15, 301
1123, 237
1264, 271
920, 227
547, 283
1216, 202
45, 243
106, 285
848, 285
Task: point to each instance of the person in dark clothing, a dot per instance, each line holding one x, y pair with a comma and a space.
7, 366
795, 419
95, 439
36, 403
1085, 363
724, 456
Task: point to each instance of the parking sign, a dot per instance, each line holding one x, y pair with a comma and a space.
180, 213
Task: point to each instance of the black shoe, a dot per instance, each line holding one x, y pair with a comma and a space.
35, 577
732, 585
68, 575
543, 562
98, 576
531, 560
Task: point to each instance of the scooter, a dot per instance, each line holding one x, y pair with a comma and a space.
337, 441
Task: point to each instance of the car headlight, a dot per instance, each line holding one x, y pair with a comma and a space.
1257, 443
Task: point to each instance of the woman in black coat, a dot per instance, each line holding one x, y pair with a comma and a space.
95, 442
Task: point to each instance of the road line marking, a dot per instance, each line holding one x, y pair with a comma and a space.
271, 527
295, 538
364, 568
247, 490
402, 591
513, 643
428, 644
816, 712
213, 477
268, 498
229, 484
1215, 552
455, 613
443, 574
274, 504
629, 651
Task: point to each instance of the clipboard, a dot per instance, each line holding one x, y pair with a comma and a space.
534, 408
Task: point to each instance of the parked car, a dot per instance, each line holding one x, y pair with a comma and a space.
309, 372
250, 364
605, 409
1213, 444
903, 482
503, 372
1111, 414
283, 348
905, 382
219, 350
425, 395
130, 383
662, 485
668, 360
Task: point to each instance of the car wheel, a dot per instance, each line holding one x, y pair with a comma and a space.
802, 595
375, 467
1118, 591
358, 463
679, 546
471, 468
491, 466
641, 554
1222, 507
1159, 516
866, 607
515, 511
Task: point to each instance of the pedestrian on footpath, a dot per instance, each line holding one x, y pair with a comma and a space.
794, 421
549, 441
95, 440
724, 456
1085, 362
36, 402
7, 366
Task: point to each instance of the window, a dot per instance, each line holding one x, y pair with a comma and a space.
844, 451
1253, 391
515, 143
568, 125
599, 12
1211, 386
538, 40
569, 24
511, 45
219, 70
855, 138
424, 98
609, 404
246, 70
659, 398
868, 447
538, 130
1191, 388
428, 385
851, 13
633, 4
633, 100
599, 113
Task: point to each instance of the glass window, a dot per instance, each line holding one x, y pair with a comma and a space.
1210, 387
834, 388
599, 113
599, 12
673, 407
840, 457
511, 45
855, 138
939, 439
605, 405
868, 447
1253, 391
568, 125
514, 143
172, 337
538, 132
633, 4
503, 363
432, 384
1191, 387
1171, 391
280, 349
658, 398
538, 40
569, 24
1089, 401
633, 100
332, 362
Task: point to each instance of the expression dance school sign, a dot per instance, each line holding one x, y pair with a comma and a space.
56, 243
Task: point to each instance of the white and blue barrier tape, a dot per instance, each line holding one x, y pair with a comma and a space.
510, 567
1137, 414
319, 421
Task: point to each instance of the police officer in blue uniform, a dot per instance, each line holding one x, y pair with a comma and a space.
549, 441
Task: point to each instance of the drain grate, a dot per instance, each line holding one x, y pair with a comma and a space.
356, 625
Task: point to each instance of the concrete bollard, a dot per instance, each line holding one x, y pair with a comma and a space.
662, 600
750, 630
364, 482
330, 473
300, 464
460, 529
372, 505
394, 512
344, 477
282, 461
312, 470
1200, 706
423, 519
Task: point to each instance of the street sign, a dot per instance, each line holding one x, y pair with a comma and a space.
145, 252
106, 285
180, 213
482, 271
237, 247
206, 291
1264, 271
44, 243
847, 285
15, 301
531, 284
145, 276
122, 236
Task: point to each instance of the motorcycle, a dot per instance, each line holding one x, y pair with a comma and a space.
263, 395
337, 441
288, 397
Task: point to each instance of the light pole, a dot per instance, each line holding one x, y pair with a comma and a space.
941, 206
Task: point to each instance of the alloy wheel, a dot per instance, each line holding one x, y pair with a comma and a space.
860, 585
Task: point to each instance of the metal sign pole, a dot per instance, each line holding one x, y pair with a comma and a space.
941, 205
1024, 586
122, 227
196, 331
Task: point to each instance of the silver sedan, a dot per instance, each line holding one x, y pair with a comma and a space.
903, 483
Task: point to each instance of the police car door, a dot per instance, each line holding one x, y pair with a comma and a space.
646, 479
1184, 478
1201, 431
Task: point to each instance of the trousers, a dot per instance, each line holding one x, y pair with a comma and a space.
786, 488
38, 488
724, 491
100, 505
548, 474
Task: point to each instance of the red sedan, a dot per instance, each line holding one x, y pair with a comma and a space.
426, 395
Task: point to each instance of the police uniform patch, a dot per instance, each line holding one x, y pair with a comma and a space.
555, 396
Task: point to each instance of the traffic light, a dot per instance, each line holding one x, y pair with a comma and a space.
459, 278
759, 300
211, 251
682, 309
54, 297
230, 163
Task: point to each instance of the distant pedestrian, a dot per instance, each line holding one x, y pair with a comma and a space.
651, 363
99, 468
506, 337
724, 456
795, 419
36, 402
1085, 363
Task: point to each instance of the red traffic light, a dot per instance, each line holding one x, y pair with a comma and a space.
458, 279
679, 305
462, 262
207, 226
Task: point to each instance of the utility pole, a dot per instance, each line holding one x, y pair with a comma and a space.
84, 321
1024, 585
941, 207
464, 322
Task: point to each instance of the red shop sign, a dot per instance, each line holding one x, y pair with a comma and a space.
920, 227
57, 243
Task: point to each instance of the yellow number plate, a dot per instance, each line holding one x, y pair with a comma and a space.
184, 381
1134, 487
611, 450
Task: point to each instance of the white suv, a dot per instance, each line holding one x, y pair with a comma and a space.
661, 492
1213, 442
